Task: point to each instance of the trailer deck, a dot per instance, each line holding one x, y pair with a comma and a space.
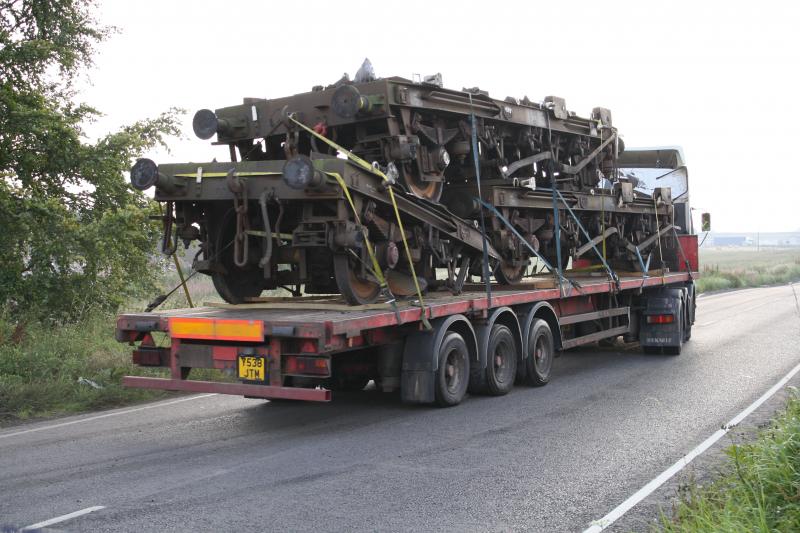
292, 340
327, 318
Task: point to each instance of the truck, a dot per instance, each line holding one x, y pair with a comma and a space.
480, 339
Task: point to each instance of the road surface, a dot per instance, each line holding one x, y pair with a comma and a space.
542, 459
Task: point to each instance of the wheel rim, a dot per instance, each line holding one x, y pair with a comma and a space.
502, 362
541, 359
429, 190
237, 284
363, 288
453, 377
356, 290
508, 274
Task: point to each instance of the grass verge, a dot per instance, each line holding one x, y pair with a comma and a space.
760, 491
49, 371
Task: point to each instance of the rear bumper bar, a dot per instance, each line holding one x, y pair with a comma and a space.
238, 389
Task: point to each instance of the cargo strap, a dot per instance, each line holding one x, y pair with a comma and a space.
658, 236
376, 267
541, 258
173, 252
556, 222
683, 255
487, 282
369, 168
609, 270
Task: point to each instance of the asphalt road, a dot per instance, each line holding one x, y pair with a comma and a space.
540, 459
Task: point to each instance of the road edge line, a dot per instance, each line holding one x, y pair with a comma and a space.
62, 518
106, 415
619, 511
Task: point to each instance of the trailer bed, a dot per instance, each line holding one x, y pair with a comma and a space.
334, 317
295, 339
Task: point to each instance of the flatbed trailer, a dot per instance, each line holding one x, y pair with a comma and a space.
476, 341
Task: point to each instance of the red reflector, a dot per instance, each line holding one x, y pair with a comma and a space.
318, 366
660, 319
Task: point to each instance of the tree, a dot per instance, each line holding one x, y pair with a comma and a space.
73, 234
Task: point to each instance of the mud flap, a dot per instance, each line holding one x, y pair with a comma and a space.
421, 358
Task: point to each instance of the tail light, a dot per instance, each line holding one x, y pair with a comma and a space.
660, 319
315, 366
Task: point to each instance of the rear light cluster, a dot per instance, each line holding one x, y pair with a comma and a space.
660, 319
316, 366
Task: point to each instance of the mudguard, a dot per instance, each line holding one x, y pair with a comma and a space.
526, 326
662, 301
421, 357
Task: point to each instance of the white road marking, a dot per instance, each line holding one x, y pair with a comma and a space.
62, 518
91, 418
644, 492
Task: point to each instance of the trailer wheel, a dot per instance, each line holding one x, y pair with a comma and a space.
676, 350
541, 350
501, 361
687, 323
452, 375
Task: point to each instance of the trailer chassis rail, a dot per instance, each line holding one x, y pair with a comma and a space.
239, 389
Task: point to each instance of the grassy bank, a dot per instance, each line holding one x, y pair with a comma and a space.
760, 491
53, 371
732, 268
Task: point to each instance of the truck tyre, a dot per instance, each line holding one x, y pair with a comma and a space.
540, 350
676, 350
687, 322
452, 375
501, 361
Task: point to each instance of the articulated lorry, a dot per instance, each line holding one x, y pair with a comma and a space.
474, 337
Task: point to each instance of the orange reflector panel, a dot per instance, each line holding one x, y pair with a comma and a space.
219, 330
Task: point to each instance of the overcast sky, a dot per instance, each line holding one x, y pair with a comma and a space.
718, 79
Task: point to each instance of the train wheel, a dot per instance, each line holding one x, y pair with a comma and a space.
509, 274
356, 290
452, 376
429, 190
552, 258
235, 284
501, 361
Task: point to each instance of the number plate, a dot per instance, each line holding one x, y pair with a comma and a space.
252, 368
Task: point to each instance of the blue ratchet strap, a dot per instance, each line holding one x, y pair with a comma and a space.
641, 261
556, 227
505, 221
486, 272
556, 221
642, 264
610, 272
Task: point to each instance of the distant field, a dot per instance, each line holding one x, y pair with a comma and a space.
733, 267
732, 258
